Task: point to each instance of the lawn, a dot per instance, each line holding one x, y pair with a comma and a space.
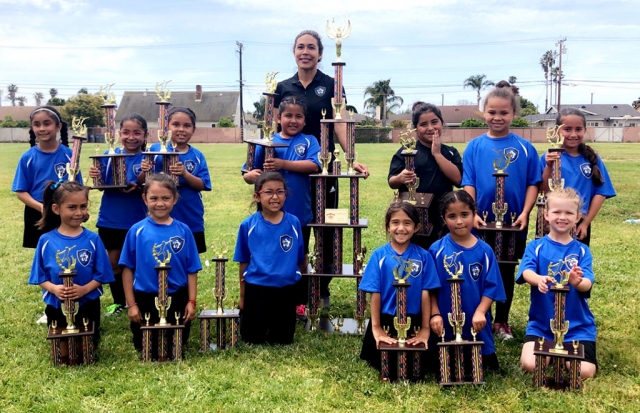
319, 372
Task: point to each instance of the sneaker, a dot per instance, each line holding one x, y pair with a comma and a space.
301, 313
114, 309
503, 331
42, 320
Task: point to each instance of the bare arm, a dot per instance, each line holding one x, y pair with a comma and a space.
127, 284
479, 319
425, 330
376, 327
242, 268
28, 200
303, 167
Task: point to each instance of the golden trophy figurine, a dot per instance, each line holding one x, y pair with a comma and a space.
164, 140
323, 112
396, 196
338, 33
360, 258
337, 107
324, 161
312, 262
559, 278
513, 218
163, 301
407, 140
337, 325
271, 82
111, 141
402, 271
337, 166
79, 130
554, 137
162, 92
558, 336
502, 162
67, 262
351, 113
402, 329
107, 95
413, 187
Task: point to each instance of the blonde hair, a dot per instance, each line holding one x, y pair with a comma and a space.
564, 193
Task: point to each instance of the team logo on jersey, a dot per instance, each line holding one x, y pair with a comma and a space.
475, 270
60, 169
512, 153
190, 166
300, 149
286, 242
176, 244
84, 257
137, 169
320, 91
416, 268
586, 170
570, 261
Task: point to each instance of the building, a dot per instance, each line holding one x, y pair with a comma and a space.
453, 116
17, 113
611, 115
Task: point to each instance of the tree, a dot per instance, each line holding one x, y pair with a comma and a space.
519, 123
38, 96
259, 112
56, 102
512, 79
84, 105
381, 94
225, 122
12, 89
636, 104
53, 92
527, 107
83, 91
473, 123
351, 107
478, 83
547, 60
21, 100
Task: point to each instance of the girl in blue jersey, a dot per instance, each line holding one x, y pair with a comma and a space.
65, 208
559, 252
121, 208
161, 233
402, 221
482, 283
582, 170
521, 186
193, 171
270, 251
46, 160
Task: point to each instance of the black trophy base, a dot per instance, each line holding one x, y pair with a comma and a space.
561, 377
468, 374
226, 333
423, 199
166, 339
78, 342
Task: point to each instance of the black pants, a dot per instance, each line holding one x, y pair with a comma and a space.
31, 234
89, 310
269, 314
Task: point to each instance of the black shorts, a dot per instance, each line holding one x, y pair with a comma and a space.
200, 242
269, 314
589, 349
31, 234
112, 238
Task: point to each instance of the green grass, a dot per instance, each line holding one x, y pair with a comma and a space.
319, 372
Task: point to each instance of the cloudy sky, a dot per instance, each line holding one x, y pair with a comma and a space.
427, 48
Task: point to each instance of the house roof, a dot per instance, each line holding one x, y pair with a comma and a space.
212, 106
452, 115
601, 110
16, 112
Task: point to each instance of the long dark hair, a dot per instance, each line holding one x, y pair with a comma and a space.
584, 149
140, 120
55, 116
419, 108
451, 198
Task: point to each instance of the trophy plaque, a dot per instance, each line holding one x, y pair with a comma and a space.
112, 165
401, 325
77, 339
452, 353
227, 321
559, 352
168, 336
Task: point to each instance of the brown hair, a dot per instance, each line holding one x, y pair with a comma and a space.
313, 34
405, 207
507, 91
584, 149
419, 108
55, 193
164, 180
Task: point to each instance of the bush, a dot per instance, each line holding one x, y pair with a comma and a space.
519, 123
473, 123
368, 122
399, 124
372, 134
225, 122
8, 122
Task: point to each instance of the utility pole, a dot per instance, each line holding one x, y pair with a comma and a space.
561, 51
240, 47
442, 94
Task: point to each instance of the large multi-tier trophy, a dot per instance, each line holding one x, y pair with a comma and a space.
168, 335
78, 339
79, 132
112, 164
401, 325
167, 153
227, 321
555, 139
500, 208
333, 266
269, 126
457, 319
560, 353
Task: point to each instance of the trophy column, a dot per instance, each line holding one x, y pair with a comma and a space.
227, 321
555, 181
79, 130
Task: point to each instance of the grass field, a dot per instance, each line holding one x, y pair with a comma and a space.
319, 372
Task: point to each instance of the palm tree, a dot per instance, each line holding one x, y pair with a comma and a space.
12, 89
381, 94
53, 92
547, 61
478, 83
636, 104
21, 100
259, 112
38, 96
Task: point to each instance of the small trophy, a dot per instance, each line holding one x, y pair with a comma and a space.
162, 255
338, 33
79, 130
337, 168
361, 297
499, 207
555, 138
67, 262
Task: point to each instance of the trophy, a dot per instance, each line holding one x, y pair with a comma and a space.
79, 130
338, 33
457, 319
559, 352
402, 324
225, 320
555, 139
361, 297
499, 207
74, 336
112, 164
337, 168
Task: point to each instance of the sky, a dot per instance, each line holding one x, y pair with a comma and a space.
427, 48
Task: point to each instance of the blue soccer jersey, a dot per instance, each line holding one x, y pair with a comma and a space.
273, 251
378, 276
576, 172
300, 148
118, 209
538, 257
190, 208
481, 277
85, 250
524, 170
36, 167
147, 238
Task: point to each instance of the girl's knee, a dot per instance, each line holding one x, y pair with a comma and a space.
587, 370
527, 359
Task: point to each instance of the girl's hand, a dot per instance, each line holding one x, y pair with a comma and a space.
551, 157
145, 165
189, 312
575, 276
435, 144
273, 164
381, 337
479, 321
543, 282
94, 172
421, 337
522, 221
241, 303
437, 325
478, 222
362, 168
178, 169
59, 291
134, 314
132, 187
581, 230
75, 292
407, 176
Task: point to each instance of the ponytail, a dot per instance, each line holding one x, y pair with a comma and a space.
32, 137
591, 156
64, 134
